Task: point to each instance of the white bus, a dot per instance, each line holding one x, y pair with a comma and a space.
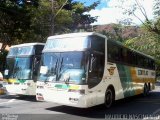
86, 69
22, 64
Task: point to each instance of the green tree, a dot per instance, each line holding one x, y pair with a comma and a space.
156, 8
14, 22
149, 41
29, 22
151, 27
113, 32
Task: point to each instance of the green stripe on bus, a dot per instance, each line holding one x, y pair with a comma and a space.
20, 81
62, 86
126, 80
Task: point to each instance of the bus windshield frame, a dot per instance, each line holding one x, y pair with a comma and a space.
19, 51
67, 44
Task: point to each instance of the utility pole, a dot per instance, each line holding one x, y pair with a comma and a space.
52, 18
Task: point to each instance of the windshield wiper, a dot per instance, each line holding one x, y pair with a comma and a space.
52, 72
53, 69
58, 69
15, 70
66, 80
60, 66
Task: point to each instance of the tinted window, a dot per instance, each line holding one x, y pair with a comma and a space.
38, 49
119, 54
98, 43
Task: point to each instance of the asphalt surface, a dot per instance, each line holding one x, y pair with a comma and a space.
134, 108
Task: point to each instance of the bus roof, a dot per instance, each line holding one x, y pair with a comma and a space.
81, 34
27, 44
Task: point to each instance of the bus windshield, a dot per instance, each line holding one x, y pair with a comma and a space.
62, 67
19, 68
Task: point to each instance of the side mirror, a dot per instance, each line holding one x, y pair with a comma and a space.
35, 68
36, 63
92, 59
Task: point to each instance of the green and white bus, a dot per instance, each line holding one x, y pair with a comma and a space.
86, 69
22, 65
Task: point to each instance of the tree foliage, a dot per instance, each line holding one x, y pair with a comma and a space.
149, 41
150, 38
118, 32
112, 31
156, 8
14, 21
34, 20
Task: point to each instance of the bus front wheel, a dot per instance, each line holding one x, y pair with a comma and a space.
109, 98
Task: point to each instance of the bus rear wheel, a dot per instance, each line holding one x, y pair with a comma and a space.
109, 98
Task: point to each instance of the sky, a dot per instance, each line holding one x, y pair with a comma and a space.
108, 13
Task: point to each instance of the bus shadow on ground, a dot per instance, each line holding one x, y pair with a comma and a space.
1, 107
132, 107
23, 97
5, 96
27, 98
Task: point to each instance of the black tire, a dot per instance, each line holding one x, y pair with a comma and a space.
109, 98
145, 90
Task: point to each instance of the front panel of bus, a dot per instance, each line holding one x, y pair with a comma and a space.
70, 69
21, 73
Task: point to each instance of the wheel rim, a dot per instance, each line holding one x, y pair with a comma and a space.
108, 98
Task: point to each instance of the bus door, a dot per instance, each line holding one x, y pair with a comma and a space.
95, 74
